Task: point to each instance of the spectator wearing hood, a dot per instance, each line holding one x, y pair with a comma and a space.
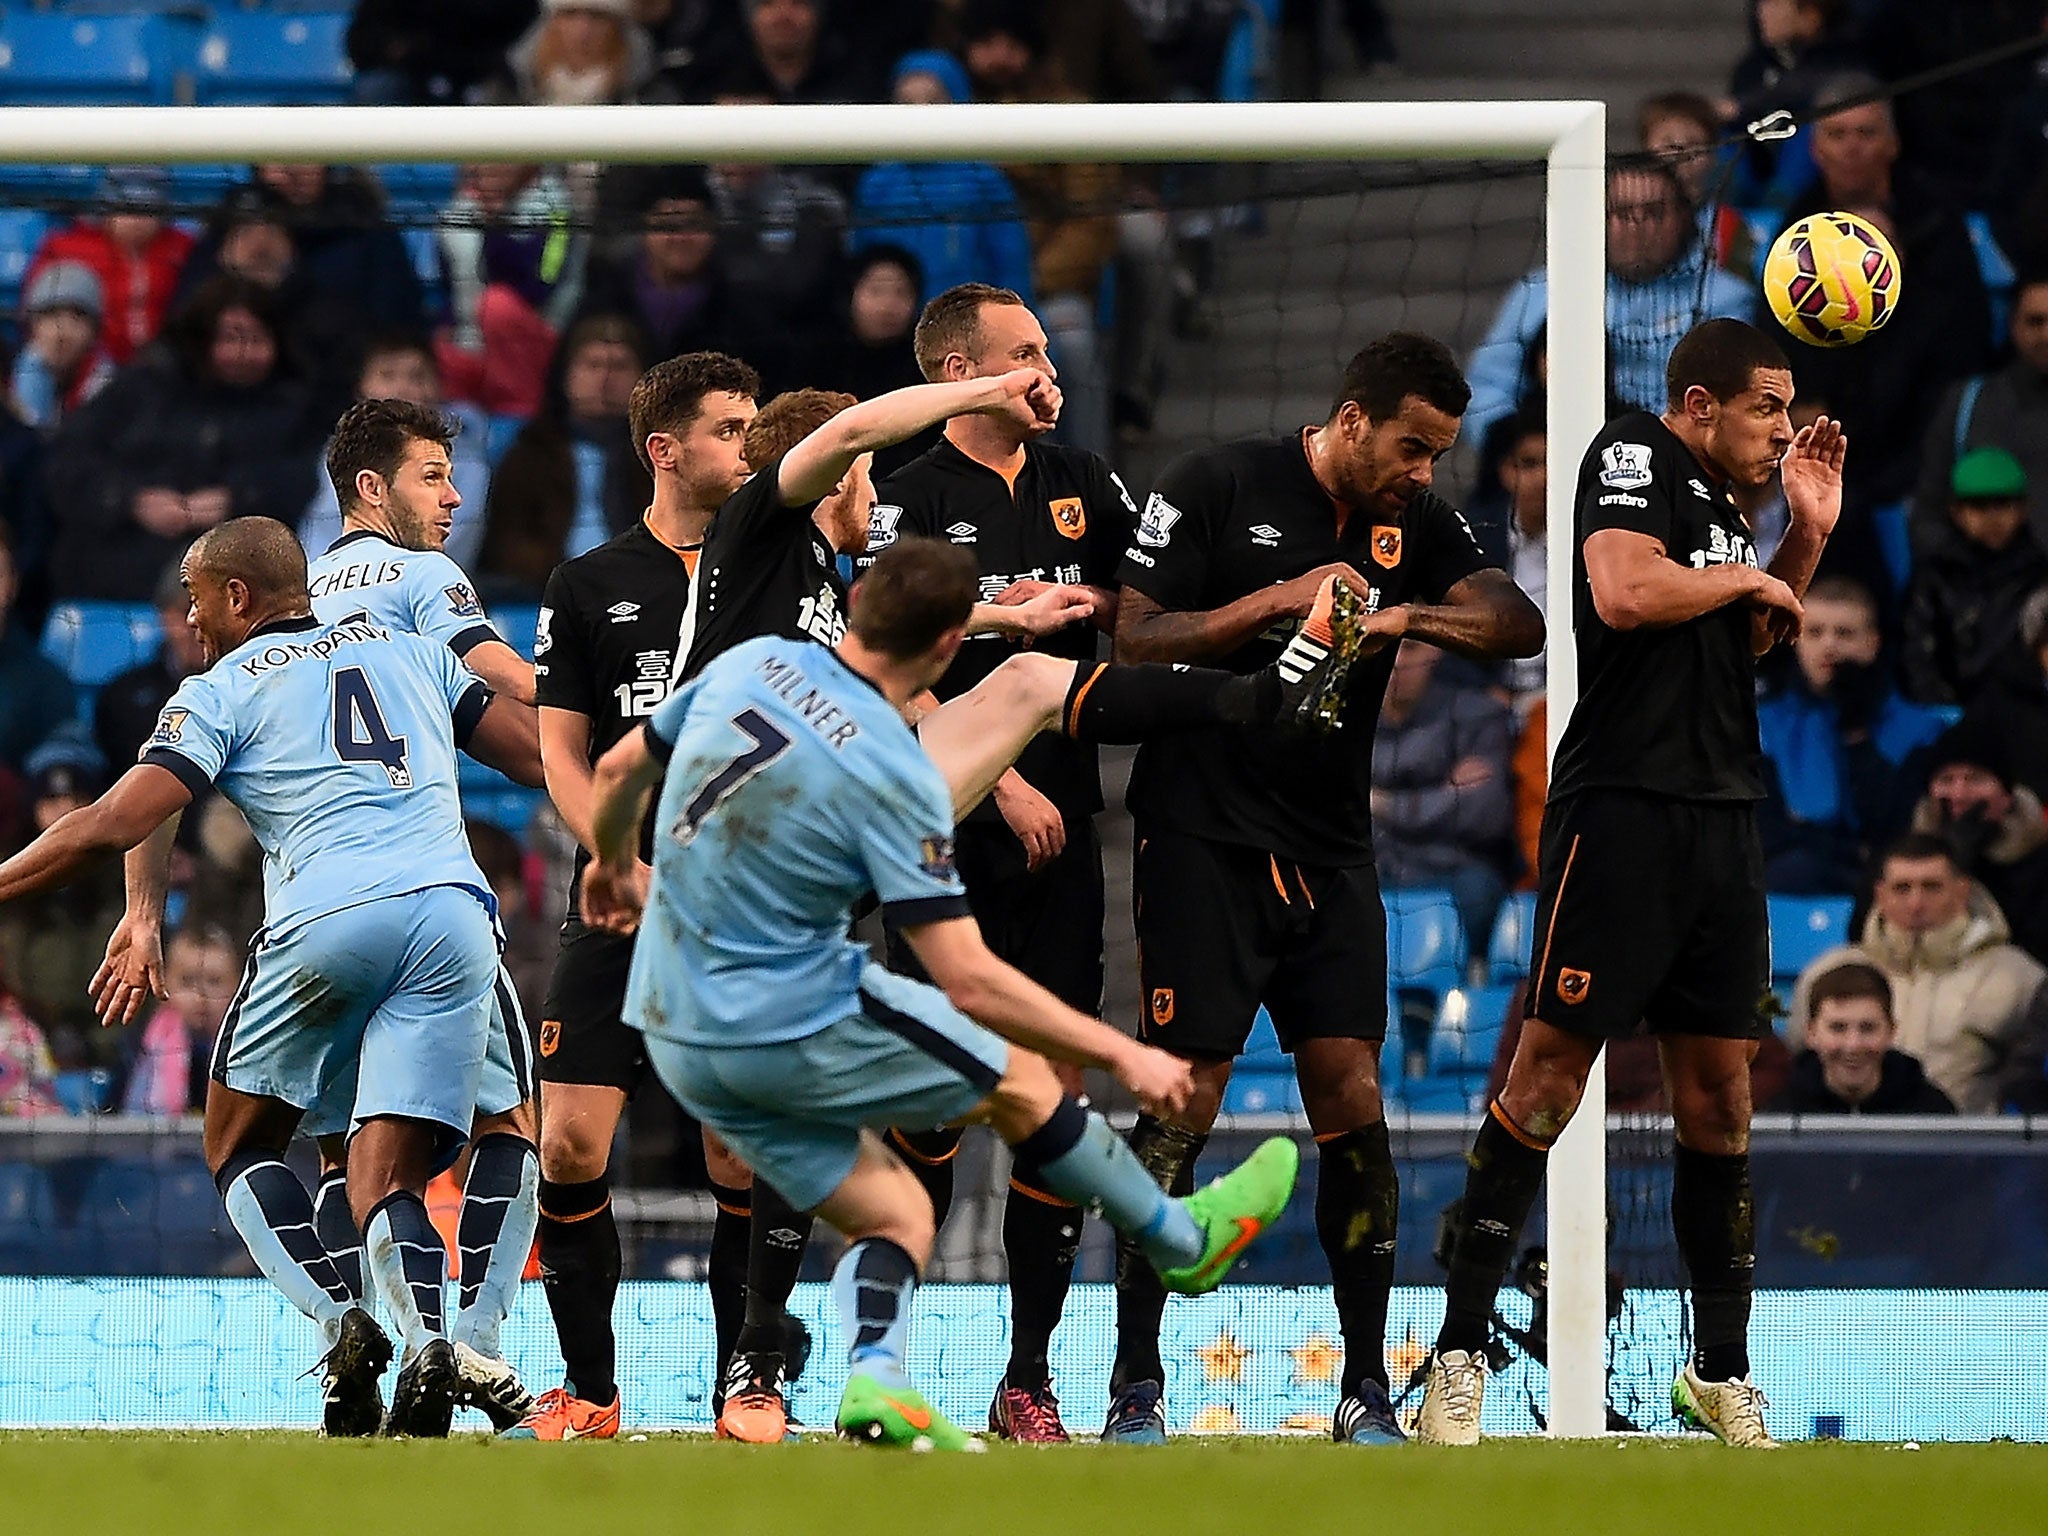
342, 242
1850, 1065
62, 362
1971, 579
572, 477
1843, 749
875, 354
211, 424
1995, 827
958, 217
133, 249
1659, 286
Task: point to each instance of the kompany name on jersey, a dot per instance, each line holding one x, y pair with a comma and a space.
1625, 466
284, 652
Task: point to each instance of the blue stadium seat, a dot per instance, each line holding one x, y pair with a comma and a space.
1442, 1096
1254, 1092
1425, 940
21, 231
95, 642
287, 58
1803, 928
1263, 1048
419, 187
1508, 951
1468, 1030
510, 806
520, 626
126, 60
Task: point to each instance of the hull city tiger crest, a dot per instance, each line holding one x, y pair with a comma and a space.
1572, 986
1386, 546
550, 1036
1069, 516
1162, 1005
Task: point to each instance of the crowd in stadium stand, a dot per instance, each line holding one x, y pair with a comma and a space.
169, 372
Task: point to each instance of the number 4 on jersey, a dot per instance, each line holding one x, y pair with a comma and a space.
768, 744
360, 735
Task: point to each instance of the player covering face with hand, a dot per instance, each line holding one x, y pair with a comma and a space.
790, 788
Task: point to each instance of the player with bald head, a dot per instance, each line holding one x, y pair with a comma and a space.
337, 743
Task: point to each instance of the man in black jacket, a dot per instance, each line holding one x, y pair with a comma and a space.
1849, 1066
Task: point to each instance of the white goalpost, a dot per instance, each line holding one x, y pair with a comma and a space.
1570, 136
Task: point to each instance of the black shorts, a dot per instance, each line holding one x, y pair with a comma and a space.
582, 1038
1222, 929
1046, 922
1651, 911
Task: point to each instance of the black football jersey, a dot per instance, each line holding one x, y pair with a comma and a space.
1669, 710
606, 645
1221, 524
767, 570
1066, 519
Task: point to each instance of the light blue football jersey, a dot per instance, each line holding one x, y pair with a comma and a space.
793, 788
418, 591
337, 744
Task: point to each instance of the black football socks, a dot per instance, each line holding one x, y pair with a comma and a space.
1714, 1217
1507, 1166
1358, 1207
580, 1263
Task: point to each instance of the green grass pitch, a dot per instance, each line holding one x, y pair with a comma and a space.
283, 1485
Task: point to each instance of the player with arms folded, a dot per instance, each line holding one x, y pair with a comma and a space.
1652, 876
337, 743
790, 788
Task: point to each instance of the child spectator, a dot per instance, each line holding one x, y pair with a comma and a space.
2007, 409
62, 363
1843, 750
134, 252
202, 968
959, 218
1850, 1066
1970, 581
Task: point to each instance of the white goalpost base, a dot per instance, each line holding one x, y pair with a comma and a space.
1569, 135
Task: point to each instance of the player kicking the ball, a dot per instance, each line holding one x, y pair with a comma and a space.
790, 788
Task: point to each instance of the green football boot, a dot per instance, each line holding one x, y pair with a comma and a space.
1235, 1209
875, 1414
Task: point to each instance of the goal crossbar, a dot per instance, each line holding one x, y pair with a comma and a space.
1570, 136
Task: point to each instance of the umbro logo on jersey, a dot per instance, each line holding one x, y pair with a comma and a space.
1266, 536
962, 533
1700, 490
623, 612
